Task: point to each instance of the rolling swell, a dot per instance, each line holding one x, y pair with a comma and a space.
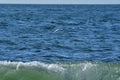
59, 71
57, 33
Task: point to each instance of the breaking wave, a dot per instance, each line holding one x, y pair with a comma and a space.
59, 71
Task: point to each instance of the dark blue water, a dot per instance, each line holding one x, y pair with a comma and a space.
55, 33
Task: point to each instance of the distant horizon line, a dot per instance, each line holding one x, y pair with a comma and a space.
58, 4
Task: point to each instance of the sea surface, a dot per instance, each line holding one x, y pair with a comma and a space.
59, 42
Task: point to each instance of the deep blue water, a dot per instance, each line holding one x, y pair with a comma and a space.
55, 33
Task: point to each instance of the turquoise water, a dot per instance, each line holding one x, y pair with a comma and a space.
59, 42
59, 71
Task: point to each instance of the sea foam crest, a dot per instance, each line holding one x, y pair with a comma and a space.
87, 66
52, 67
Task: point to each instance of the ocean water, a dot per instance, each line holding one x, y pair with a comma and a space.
59, 42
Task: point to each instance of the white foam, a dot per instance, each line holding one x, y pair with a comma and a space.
87, 66
53, 67
17, 67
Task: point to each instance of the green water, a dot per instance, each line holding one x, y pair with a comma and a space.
26, 74
59, 71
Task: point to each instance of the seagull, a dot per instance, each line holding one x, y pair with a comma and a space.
59, 30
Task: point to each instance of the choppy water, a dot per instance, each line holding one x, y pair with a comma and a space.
60, 33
